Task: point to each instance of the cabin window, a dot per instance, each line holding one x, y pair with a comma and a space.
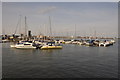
26, 44
30, 41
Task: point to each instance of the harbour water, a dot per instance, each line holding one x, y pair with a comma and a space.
73, 61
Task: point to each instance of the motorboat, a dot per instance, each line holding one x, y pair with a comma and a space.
51, 45
61, 41
105, 43
24, 45
75, 41
96, 42
81, 43
113, 41
89, 42
68, 42
5, 40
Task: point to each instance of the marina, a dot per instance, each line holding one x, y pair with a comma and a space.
60, 58
27, 41
59, 40
56, 43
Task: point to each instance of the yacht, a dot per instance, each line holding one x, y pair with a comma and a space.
5, 41
89, 42
51, 45
75, 41
112, 41
68, 41
105, 43
24, 45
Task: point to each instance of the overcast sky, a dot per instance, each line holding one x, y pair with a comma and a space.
89, 17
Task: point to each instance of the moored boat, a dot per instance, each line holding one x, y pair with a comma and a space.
89, 43
68, 41
24, 45
51, 45
75, 41
105, 43
5, 41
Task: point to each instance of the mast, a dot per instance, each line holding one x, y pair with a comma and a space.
50, 26
45, 30
17, 25
75, 31
39, 30
20, 26
25, 26
3, 30
95, 33
67, 34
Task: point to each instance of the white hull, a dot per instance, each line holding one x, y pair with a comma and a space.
25, 47
68, 42
105, 44
13, 46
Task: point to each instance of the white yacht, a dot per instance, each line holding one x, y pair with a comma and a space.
4, 41
68, 42
24, 45
112, 41
75, 41
104, 43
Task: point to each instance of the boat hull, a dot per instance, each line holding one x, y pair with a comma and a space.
13, 46
51, 47
22, 47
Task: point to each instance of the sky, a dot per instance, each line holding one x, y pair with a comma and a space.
89, 17
60, 0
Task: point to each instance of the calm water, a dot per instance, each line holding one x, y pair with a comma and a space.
73, 61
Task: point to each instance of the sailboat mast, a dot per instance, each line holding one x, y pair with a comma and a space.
25, 27
3, 31
20, 26
75, 30
50, 26
39, 30
17, 26
95, 33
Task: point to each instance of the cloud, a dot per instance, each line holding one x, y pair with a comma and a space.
47, 10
